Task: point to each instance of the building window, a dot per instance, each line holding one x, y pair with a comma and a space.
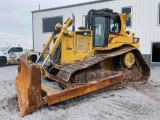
156, 52
49, 23
128, 10
159, 13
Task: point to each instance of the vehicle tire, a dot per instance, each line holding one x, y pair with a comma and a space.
2, 62
33, 58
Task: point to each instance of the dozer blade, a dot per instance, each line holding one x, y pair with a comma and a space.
28, 86
32, 94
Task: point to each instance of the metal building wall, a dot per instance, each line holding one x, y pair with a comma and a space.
144, 21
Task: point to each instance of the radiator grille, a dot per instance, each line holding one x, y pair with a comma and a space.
83, 44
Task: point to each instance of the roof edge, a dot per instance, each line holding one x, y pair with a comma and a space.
73, 5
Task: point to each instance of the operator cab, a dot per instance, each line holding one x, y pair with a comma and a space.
102, 22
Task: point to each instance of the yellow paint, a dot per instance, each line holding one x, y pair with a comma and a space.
112, 39
136, 45
125, 39
124, 18
45, 55
129, 59
77, 47
12, 61
112, 46
61, 35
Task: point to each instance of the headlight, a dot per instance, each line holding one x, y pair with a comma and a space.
135, 40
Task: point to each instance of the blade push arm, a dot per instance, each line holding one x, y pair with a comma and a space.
124, 18
62, 33
59, 38
46, 46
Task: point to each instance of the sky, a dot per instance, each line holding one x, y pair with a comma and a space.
16, 19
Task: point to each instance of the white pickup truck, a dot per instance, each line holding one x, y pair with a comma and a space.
12, 55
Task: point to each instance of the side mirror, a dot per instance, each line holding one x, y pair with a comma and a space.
9, 51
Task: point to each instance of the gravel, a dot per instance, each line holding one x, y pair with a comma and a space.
137, 102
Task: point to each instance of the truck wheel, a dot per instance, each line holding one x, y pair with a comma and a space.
2, 62
33, 58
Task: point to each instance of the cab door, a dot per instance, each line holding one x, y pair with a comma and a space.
14, 53
101, 31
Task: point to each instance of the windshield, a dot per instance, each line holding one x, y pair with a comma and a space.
3, 49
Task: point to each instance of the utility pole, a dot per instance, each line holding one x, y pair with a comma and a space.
26, 41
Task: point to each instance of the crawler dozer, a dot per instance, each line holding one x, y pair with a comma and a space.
98, 57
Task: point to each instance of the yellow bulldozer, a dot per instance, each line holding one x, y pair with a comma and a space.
98, 57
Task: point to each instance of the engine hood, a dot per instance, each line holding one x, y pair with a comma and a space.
1, 53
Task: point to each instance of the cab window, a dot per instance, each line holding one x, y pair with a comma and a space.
15, 49
19, 49
114, 26
99, 31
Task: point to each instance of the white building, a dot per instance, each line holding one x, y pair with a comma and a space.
145, 22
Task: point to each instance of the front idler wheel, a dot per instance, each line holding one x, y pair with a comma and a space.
128, 59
